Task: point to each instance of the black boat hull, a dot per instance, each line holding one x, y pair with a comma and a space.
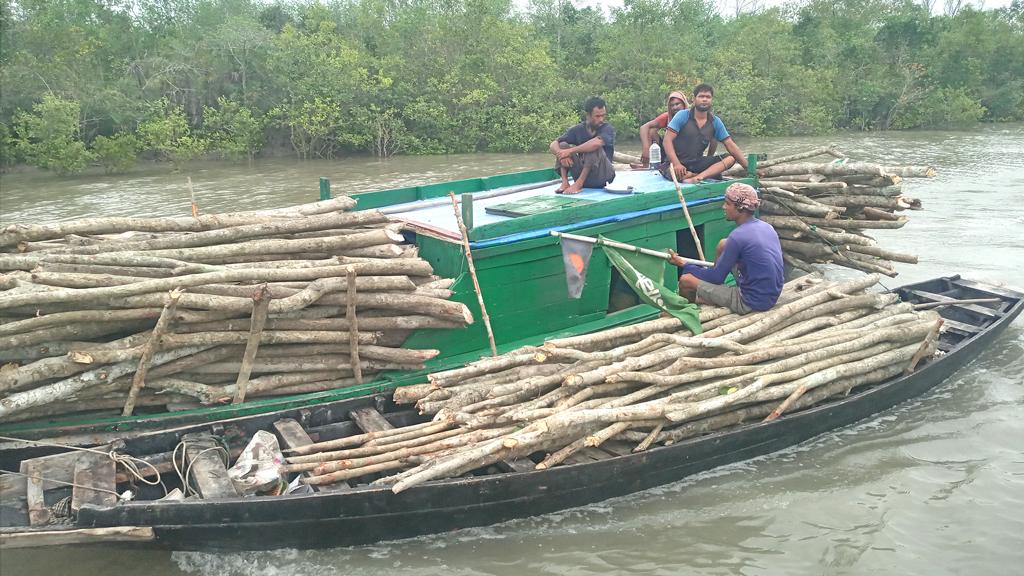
370, 514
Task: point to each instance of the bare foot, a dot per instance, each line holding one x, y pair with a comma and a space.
574, 189
695, 180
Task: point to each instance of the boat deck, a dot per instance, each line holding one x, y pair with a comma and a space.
438, 219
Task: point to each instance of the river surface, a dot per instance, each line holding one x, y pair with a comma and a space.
934, 486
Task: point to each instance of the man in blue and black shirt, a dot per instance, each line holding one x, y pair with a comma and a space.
693, 131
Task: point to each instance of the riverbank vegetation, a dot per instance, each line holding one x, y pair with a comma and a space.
102, 82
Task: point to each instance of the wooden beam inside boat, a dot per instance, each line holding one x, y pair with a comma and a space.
292, 435
207, 469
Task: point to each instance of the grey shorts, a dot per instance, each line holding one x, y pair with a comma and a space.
722, 295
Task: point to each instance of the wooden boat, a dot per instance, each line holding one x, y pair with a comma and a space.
352, 515
519, 265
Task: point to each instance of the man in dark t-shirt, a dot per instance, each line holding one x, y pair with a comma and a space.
585, 151
692, 132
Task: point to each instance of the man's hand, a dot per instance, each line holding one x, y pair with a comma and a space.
676, 258
564, 153
679, 169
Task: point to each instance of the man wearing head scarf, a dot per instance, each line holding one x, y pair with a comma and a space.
751, 252
691, 138
649, 132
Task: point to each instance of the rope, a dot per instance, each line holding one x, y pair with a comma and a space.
128, 462
32, 477
187, 464
814, 230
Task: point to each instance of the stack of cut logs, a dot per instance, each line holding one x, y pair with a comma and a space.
821, 210
650, 383
115, 313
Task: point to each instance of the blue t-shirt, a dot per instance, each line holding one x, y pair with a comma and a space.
683, 116
579, 134
753, 247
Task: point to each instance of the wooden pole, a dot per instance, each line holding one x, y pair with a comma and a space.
353, 327
192, 195
629, 247
151, 347
472, 273
259, 318
686, 212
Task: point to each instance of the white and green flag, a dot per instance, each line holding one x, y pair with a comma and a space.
645, 273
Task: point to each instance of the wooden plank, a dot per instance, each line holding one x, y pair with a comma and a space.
12, 487
208, 474
595, 453
518, 465
96, 471
34, 539
38, 513
981, 310
618, 447
292, 435
961, 326
984, 287
369, 420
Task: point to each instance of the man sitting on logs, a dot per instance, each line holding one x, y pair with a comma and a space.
751, 252
693, 131
585, 150
650, 132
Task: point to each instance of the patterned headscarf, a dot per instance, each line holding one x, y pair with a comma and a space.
743, 196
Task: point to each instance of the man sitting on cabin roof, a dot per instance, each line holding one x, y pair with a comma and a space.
586, 151
693, 131
649, 132
751, 252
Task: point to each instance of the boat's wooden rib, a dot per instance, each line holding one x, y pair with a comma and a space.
368, 513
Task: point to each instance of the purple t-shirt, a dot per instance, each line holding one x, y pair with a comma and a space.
753, 247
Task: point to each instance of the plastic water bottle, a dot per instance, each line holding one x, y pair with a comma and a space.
655, 155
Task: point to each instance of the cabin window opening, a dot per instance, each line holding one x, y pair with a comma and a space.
620, 294
687, 248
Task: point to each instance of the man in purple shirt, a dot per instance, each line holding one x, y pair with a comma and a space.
751, 252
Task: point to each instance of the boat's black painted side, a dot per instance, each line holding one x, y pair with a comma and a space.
369, 514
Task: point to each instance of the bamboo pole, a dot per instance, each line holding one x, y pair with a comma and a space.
629, 247
686, 212
472, 273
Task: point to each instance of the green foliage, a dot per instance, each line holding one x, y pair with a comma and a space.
436, 76
7, 158
48, 138
942, 108
167, 133
233, 130
117, 153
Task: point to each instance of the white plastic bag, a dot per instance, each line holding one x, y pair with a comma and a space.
258, 468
